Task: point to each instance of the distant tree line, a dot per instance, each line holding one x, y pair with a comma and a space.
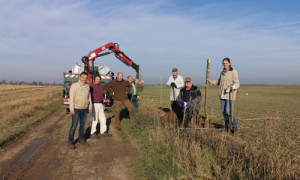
35, 83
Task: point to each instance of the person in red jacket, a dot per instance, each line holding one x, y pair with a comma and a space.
98, 108
120, 88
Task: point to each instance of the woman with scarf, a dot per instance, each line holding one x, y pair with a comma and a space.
228, 83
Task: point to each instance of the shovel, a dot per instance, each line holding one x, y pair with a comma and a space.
232, 110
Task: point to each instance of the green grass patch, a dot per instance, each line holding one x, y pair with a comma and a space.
155, 161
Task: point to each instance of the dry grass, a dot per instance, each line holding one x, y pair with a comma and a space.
268, 149
17, 102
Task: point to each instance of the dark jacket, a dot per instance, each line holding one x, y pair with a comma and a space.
119, 89
195, 96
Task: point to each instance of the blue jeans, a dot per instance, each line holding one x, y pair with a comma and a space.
226, 106
135, 102
82, 115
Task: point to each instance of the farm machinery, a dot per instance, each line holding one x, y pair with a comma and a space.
92, 70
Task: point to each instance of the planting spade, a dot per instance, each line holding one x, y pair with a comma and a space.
232, 109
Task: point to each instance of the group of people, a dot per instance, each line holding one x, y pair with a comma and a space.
185, 100
185, 97
85, 98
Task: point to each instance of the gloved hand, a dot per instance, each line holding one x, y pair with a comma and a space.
183, 104
227, 91
173, 85
189, 104
233, 87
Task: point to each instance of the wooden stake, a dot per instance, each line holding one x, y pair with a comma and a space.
206, 90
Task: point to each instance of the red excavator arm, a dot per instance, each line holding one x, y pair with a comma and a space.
113, 47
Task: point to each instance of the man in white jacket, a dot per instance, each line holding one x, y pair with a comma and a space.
176, 83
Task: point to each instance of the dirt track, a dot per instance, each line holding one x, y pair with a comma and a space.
42, 153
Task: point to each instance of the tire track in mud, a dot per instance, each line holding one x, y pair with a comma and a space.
42, 153
18, 155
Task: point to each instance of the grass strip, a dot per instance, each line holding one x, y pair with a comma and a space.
156, 159
12, 131
165, 154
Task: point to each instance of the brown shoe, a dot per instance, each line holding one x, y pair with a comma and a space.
71, 145
94, 135
82, 141
105, 134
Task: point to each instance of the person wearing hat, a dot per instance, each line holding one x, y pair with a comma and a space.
176, 83
189, 100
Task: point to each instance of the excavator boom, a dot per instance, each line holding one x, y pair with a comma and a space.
114, 48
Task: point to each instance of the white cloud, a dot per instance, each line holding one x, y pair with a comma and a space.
57, 34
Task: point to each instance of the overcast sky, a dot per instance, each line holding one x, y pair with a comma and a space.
39, 40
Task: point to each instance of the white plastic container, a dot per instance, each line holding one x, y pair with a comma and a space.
77, 69
103, 70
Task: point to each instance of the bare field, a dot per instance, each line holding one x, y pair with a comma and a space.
18, 104
278, 105
265, 147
